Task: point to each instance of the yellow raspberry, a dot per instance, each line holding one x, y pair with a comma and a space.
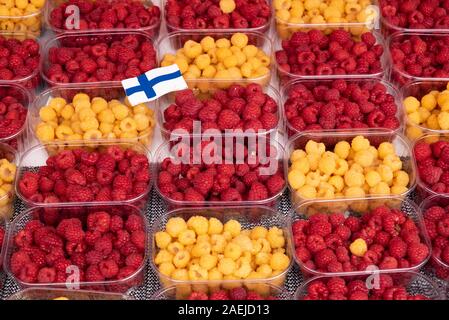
337, 182
393, 161
7, 171
443, 98
342, 149
106, 116
192, 49
259, 232
120, 111
162, 239
358, 247
47, 113
218, 243
233, 227
128, 125
279, 261
341, 167
327, 165
313, 179
250, 51
89, 124
208, 262
411, 104
429, 102
166, 268
175, 225
382, 188
401, 178
443, 120
172, 247
297, 154
239, 40
99, 104
45, 132
364, 158
386, 173
63, 131
296, 179
226, 266
92, 134
275, 237
302, 165
106, 128
86, 113
432, 122
373, 178
223, 43
398, 190
232, 251
207, 43
80, 104
199, 224
215, 226
163, 256
313, 147
187, 237
181, 259
354, 178
414, 117
67, 112
180, 274
424, 114
360, 143
307, 192
385, 149
57, 104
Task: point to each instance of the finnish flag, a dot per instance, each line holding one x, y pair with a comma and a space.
153, 84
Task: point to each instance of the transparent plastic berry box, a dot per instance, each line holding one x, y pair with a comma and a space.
248, 217
264, 28
358, 208
330, 139
402, 77
419, 89
28, 23
53, 6
35, 158
422, 189
264, 290
311, 84
87, 40
436, 263
166, 101
286, 76
31, 80
177, 151
170, 44
7, 174
415, 284
63, 294
50, 218
110, 130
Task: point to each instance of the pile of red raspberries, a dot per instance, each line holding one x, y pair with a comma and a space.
239, 293
337, 288
340, 104
200, 14
107, 14
85, 176
19, 59
433, 165
107, 59
219, 182
104, 246
420, 56
393, 241
436, 220
416, 14
315, 53
235, 108
13, 113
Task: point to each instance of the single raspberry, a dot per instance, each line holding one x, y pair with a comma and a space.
397, 248
198, 296
228, 119
315, 243
443, 227
99, 221
257, 192
321, 228
134, 260
108, 268
417, 253
219, 295
422, 151
134, 223
46, 275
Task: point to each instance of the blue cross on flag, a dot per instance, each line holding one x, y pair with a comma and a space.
153, 84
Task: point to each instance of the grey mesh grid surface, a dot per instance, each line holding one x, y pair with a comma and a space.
157, 208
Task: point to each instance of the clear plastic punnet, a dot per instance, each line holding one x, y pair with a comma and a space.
311, 84
414, 283
166, 101
152, 30
171, 43
245, 150
285, 76
80, 211
80, 39
331, 138
423, 190
124, 129
264, 28
419, 89
8, 166
36, 157
400, 76
248, 217
64, 294
357, 208
440, 267
263, 290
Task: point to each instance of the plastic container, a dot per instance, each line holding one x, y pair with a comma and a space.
264, 289
17, 139
106, 91
440, 267
61, 294
28, 24
422, 190
171, 29
418, 90
401, 77
7, 197
78, 39
169, 150
151, 30
331, 138
164, 102
249, 217
172, 42
358, 207
37, 156
415, 284
80, 211
285, 76
32, 80
310, 84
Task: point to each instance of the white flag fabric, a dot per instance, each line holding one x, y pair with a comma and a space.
153, 84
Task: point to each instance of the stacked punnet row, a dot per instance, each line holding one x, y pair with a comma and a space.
338, 107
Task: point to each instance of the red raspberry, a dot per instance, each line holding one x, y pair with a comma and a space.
337, 285
93, 274
203, 182
138, 239
108, 268
353, 224
430, 175
443, 227
134, 223
198, 296
99, 221
29, 184
315, 243
275, 184
28, 273
65, 159
257, 192
422, 151
230, 194
321, 228
134, 260
397, 248
417, 253
46, 275
228, 119
105, 161
238, 293
103, 246
219, 295
191, 194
